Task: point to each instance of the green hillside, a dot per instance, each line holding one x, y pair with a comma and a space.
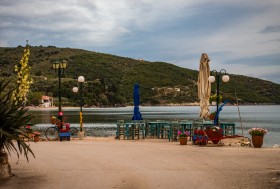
110, 79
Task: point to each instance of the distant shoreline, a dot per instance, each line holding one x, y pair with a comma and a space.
186, 104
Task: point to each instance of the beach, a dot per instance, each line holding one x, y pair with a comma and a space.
103, 162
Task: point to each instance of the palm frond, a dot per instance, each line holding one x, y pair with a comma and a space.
13, 119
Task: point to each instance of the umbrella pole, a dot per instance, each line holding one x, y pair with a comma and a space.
239, 114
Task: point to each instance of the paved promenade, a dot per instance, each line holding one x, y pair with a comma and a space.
106, 163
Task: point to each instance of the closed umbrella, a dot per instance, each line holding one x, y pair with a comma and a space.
204, 86
136, 99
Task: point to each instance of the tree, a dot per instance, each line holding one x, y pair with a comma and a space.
34, 98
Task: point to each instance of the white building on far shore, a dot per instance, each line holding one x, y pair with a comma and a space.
47, 101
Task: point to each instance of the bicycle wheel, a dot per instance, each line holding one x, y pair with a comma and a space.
52, 133
74, 132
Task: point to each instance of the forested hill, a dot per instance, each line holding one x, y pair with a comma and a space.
110, 79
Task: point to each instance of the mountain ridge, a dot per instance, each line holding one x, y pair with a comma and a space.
110, 79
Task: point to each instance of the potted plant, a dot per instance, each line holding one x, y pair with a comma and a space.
213, 99
36, 136
53, 120
212, 116
199, 137
183, 137
13, 119
257, 136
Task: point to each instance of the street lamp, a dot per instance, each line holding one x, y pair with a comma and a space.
60, 67
81, 80
225, 79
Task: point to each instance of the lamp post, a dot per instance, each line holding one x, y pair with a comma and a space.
81, 80
60, 67
225, 79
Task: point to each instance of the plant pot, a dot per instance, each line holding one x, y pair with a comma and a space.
257, 141
36, 138
53, 120
5, 168
214, 103
212, 117
183, 140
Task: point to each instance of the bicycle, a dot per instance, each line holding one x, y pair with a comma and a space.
53, 133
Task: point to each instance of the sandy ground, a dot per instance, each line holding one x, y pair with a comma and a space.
144, 164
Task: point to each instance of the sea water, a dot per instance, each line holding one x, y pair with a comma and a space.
244, 117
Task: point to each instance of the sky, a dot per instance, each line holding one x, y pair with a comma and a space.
242, 37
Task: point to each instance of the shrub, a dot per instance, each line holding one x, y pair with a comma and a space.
13, 118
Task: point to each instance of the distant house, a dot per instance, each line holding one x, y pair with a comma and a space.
177, 89
47, 101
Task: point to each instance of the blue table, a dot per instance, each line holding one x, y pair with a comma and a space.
155, 127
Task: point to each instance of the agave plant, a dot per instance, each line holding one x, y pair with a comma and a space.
13, 118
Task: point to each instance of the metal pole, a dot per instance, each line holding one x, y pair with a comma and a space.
217, 97
212, 79
59, 88
60, 115
81, 96
81, 106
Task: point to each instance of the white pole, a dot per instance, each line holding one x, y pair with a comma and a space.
239, 114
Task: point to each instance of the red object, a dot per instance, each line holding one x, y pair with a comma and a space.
200, 132
65, 128
216, 135
60, 113
212, 117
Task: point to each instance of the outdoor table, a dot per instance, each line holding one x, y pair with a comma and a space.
152, 128
156, 126
162, 126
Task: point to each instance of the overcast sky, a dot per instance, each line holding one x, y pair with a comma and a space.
240, 36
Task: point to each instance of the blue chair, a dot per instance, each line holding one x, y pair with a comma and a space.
152, 129
228, 128
174, 128
139, 129
120, 130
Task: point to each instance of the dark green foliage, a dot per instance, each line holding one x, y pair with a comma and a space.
110, 79
34, 98
13, 118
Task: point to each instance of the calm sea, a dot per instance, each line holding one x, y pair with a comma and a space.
250, 116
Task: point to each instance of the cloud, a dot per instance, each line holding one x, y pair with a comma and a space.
235, 34
270, 29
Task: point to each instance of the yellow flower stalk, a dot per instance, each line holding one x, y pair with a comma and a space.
24, 80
